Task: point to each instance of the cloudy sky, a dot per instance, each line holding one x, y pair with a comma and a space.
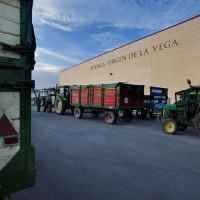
71, 31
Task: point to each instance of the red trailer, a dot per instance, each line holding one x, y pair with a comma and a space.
117, 99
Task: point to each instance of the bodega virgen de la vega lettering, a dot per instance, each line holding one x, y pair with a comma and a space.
137, 53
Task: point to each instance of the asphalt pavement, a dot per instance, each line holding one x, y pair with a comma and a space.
87, 159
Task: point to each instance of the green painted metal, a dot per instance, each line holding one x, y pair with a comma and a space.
109, 85
168, 109
15, 76
19, 173
26, 46
186, 108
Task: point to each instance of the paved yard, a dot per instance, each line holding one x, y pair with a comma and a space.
87, 159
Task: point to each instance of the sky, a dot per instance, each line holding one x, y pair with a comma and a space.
69, 32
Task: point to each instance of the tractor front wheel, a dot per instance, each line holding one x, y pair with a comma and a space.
170, 126
78, 113
110, 117
197, 124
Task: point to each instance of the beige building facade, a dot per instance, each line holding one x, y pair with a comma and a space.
164, 59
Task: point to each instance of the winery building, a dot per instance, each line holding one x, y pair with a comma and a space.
164, 59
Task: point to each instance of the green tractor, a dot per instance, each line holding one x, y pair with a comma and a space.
57, 97
185, 112
62, 99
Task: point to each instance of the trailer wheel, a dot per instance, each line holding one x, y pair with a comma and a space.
170, 126
127, 116
94, 114
78, 113
60, 106
197, 124
141, 114
110, 117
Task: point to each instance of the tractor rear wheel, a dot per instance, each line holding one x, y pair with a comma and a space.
78, 113
60, 106
170, 126
110, 117
197, 124
127, 116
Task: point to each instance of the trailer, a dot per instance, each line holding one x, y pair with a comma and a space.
157, 96
17, 46
114, 100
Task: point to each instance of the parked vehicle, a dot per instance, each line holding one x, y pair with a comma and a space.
17, 46
185, 112
114, 100
45, 94
62, 99
157, 95
57, 97
49, 100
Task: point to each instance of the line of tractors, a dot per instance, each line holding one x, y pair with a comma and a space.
174, 117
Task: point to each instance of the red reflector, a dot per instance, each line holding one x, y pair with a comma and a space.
11, 140
6, 128
8, 131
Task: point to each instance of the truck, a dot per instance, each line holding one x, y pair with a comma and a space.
114, 100
17, 46
184, 112
158, 95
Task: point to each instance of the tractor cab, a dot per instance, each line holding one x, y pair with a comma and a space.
187, 103
62, 90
